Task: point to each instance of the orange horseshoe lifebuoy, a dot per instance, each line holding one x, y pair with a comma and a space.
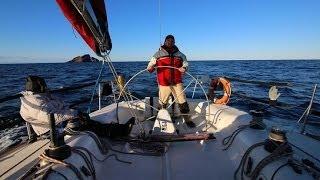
226, 89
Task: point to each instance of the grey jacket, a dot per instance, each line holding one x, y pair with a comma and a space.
36, 108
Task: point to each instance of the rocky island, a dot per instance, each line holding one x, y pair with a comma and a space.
84, 58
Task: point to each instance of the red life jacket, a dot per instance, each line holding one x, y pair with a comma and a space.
169, 76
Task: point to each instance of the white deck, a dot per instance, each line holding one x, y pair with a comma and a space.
184, 160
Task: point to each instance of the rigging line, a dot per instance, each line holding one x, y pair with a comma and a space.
95, 87
244, 159
276, 171
114, 72
88, 161
110, 147
116, 75
112, 69
72, 167
74, 32
309, 108
125, 95
303, 114
118, 83
180, 94
92, 135
107, 57
100, 160
194, 89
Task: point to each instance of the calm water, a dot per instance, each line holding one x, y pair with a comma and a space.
301, 75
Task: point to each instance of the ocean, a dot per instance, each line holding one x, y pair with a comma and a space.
250, 79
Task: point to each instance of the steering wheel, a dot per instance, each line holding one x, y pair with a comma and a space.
193, 79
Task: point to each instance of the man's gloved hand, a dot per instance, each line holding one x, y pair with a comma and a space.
151, 69
182, 70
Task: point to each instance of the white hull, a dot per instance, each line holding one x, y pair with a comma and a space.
183, 160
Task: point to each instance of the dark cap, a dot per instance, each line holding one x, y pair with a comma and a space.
36, 84
169, 36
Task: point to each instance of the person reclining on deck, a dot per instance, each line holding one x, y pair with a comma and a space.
37, 103
170, 79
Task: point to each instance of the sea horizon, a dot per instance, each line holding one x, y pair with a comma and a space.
192, 60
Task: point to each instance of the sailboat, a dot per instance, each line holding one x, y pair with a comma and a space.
226, 143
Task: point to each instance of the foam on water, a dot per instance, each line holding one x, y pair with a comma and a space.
12, 136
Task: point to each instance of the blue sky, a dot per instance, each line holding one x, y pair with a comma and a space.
36, 31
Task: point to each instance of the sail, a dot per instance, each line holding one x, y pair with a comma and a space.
89, 18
